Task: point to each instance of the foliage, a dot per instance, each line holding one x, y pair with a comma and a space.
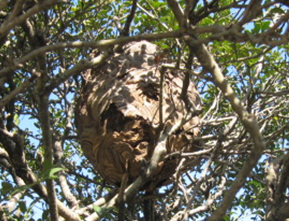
239, 172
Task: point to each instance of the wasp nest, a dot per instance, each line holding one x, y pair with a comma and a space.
118, 113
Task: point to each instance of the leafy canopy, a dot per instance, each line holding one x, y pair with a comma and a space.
238, 53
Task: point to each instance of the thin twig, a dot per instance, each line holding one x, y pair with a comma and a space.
126, 30
248, 120
44, 118
101, 44
7, 26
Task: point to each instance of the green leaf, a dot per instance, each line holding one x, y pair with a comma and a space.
102, 211
97, 209
21, 188
277, 10
53, 171
226, 218
45, 214
22, 206
6, 188
207, 21
49, 171
16, 119
265, 25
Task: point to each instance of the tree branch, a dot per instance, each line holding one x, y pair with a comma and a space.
211, 199
102, 44
16, 91
14, 21
126, 30
77, 69
9, 207
70, 198
44, 118
177, 11
2, 214
27, 177
60, 78
248, 120
252, 11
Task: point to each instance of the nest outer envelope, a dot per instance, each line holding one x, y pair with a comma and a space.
118, 113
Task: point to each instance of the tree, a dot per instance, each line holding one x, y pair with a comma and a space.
234, 51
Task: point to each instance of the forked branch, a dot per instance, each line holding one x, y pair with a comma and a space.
248, 120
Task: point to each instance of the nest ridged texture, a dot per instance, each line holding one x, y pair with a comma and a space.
118, 114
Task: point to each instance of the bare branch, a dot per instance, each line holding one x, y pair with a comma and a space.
249, 121
177, 11
29, 178
2, 214
44, 116
252, 11
60, 78
102, 44
14, 21
70, 198
155, 17
126, 30
16, 91
77, 69
211, 199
